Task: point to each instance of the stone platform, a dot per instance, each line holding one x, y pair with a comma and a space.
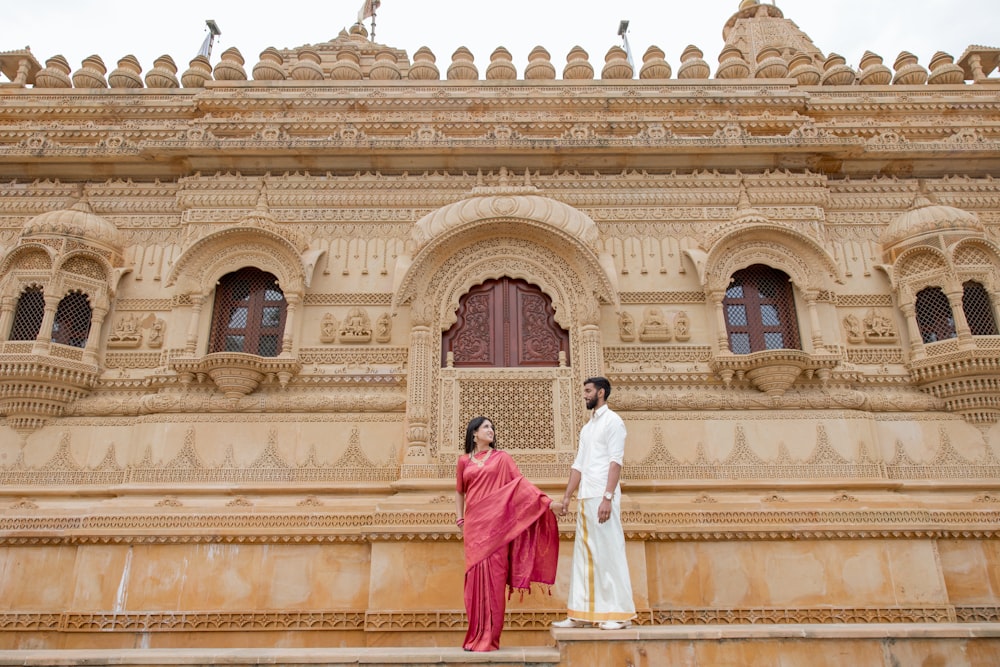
292, 657
819, 645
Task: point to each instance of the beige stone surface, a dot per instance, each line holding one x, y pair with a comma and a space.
162, 486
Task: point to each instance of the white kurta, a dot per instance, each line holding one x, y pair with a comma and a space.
599, 588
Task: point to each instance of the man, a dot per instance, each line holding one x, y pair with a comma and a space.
600, 590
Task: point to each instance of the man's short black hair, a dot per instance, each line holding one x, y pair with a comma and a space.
600, 382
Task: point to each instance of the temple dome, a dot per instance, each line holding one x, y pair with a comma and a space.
79, 220
925, 217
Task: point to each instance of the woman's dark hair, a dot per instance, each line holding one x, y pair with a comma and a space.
600, 383
470, 432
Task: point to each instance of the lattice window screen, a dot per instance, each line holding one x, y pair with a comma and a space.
72, 323
924, 263
521, 411
249, 314
934, 316
760, 311
978, 309
28, 315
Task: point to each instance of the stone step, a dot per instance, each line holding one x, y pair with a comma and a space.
290, 657
791, 645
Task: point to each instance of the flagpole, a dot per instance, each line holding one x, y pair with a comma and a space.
374, 9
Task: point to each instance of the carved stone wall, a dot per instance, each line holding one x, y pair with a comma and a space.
165, 491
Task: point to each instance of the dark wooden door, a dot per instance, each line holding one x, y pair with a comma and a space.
504, 323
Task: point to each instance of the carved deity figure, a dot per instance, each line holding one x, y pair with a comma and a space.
654, 326
126, 332
879, 328
853, 326
356, 327
328, 329
156, 333
626, 327
682, 326
383, 328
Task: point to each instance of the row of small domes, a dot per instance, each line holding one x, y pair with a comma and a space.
308, 65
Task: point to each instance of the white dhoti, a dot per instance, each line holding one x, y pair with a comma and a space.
599, 588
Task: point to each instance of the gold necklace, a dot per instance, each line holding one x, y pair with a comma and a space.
472, 457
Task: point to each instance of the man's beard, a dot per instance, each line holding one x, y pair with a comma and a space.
592, 403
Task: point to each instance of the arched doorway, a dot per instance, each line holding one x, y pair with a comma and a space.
479, 252
506, 357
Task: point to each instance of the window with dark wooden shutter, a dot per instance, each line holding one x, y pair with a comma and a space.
760, 311
249, 314
505, 323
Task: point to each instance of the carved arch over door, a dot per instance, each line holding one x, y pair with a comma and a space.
541, 241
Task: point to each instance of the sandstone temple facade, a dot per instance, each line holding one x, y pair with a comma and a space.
247, 308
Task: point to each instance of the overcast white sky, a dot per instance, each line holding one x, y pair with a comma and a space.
114, 28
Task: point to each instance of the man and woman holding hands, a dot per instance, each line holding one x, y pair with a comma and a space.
512, 537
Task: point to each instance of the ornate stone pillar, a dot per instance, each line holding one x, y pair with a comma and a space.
289, 347
7, 305
816, 333
590, 347
961, 323
44, 339
197, 300
721, 337
916, 340
97, 315
418, 392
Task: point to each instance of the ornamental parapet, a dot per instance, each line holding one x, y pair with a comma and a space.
352, 58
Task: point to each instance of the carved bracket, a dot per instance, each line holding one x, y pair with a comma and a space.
237, 374
773, 371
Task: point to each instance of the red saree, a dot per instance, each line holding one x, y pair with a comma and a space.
511, 540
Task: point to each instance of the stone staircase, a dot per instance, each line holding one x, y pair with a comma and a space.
812, 645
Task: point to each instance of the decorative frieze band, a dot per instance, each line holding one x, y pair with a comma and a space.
354, 356
875, 355
864, 300
143, 305
436, 620
244, 524
348, 299
662, 298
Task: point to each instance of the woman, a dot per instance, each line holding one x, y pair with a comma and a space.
511, 537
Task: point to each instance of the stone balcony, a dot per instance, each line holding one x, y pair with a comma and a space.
965, 377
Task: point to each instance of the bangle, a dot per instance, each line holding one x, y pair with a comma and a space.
459, 521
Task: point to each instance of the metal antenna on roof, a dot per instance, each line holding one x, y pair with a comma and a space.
623, 33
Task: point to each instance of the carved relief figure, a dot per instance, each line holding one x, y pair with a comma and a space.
383, 328
879, 328
126, 332
853, 326
654, 326
682, 326
328, 329
356, 328
626, 327
156, 331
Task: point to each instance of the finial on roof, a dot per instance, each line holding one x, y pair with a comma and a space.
743, 205
263, 205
